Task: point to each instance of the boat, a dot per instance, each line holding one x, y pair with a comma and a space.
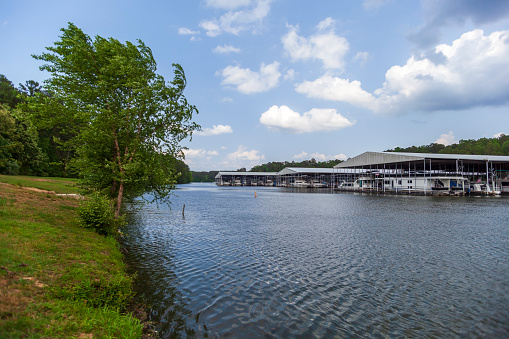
299, 183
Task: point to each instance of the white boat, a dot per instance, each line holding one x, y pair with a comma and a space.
298, 183
317, 184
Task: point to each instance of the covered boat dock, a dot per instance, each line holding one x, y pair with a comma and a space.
425, 173
246, 178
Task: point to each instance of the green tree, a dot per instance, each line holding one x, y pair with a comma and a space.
8, 94
125, 122
9, 145
30, 88
19, 149
184, 174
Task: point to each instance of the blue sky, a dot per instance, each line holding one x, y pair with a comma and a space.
279, 80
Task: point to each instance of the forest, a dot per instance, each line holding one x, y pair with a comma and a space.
277, 166
484, 146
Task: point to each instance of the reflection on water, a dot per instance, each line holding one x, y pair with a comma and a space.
301, 264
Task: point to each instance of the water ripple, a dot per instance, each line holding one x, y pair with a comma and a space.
292, 264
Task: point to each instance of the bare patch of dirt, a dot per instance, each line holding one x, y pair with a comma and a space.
12, 300
28, 195
38, 190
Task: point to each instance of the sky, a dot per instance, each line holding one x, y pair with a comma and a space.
291, 80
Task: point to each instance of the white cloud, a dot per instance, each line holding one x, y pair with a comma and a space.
336, 89
242, 157
234, 22
199, 153
446, 139
215, 130
324, 45
227, 4
226, 49
247, 81
282, 118
498, 135
301, 155
362, 57
226, 99
289, 75
326, 23
472, 71
319, 156
211, 27
200, 159
187, 31
243, 154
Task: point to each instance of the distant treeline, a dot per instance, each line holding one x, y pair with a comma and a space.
483, 146
274, 166
28, 148
203, 176
277, 166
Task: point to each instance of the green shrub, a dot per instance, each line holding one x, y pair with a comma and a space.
96, 213
115, 293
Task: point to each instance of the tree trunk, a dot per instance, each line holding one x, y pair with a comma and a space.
119, 199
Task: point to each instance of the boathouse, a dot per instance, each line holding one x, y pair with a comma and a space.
425, 173
300, 177
246, 178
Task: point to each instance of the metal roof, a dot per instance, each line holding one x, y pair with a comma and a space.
374, 158
297, 170
245, 174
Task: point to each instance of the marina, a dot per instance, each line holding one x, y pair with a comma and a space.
393, 173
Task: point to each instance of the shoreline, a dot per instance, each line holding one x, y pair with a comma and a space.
58, 279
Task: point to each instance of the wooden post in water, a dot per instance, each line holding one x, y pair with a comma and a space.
255, 194
183, 208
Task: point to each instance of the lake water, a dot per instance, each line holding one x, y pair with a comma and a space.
320, 265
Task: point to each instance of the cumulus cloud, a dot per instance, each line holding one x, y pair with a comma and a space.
243, 154
247, 81
446, 139
234, 22
498, 135
440, 13
226, 49
319, 156
196, 153
472, 71
200, 159
325, 45
282, 118
336, 89
215, 130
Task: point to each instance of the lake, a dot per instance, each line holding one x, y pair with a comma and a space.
316, 264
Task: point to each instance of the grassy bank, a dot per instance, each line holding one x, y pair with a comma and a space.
57, 280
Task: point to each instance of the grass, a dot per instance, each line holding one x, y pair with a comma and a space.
57, 185
58, 280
